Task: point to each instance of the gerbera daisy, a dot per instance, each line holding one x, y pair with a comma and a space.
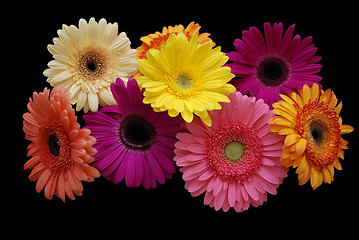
133, 141
88, 59
60, 151
310, 120
185, 77
236, 161
275, 64
157, 39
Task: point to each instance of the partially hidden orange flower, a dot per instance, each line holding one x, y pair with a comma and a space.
313, 128
60, 151
157, 39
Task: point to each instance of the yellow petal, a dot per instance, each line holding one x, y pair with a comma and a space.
346, 129
316, 178
326, 175
291, 139
290, 101
337, 164
286, 131
284, 113
315, 91
326, 96
300, 146
172, 113
304, 176
303, 165
306, 94
204, 117
187, 115
179, 106
283, 121
338, 108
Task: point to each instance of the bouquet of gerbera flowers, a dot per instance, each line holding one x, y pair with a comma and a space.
233, 123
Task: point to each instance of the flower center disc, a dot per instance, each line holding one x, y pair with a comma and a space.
272, 71
54, 145
318, 132
184, 82
137, 133
92, 64
234, 151
319, 125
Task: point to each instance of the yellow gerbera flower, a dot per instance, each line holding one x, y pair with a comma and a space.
313, 144
157, 39
185, 77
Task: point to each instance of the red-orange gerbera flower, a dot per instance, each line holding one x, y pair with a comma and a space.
60, 150
313, 127
157, 39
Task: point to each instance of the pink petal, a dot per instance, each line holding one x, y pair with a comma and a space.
267, 175
232, 193
251, 190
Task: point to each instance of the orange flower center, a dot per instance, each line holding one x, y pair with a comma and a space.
319, 125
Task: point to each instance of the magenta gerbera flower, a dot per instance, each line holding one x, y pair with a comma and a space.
236, 160
133, 141
275, 64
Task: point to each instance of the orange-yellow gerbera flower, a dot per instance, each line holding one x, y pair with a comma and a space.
313, 144
157, 39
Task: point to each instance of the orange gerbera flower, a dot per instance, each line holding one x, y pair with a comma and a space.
313, 144
157, 39
60, 151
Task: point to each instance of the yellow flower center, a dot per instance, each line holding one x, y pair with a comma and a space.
184, 81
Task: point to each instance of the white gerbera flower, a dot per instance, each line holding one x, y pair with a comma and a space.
88, 59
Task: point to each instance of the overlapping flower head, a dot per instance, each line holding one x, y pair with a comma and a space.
236, 160
274, 64
87, 59
232, 143
133, 141
311, 123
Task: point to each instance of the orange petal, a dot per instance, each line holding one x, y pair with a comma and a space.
346, 129
300, 146
291, 139
316, 178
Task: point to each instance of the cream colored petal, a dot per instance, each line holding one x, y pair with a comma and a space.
106, 95
93, 101
81, 101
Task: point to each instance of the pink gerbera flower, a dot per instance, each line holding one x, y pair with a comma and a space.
133, 141
236, 160
275, 64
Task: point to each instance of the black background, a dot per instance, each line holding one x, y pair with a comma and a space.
30, 31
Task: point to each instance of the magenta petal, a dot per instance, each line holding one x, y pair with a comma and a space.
155, 168
120, 172
139, 170
165, 162
130, 169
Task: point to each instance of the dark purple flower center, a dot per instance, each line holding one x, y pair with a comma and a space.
137, 133
54, 145
272, 71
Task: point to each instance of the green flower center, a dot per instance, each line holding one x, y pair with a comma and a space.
234, 151
184, 82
